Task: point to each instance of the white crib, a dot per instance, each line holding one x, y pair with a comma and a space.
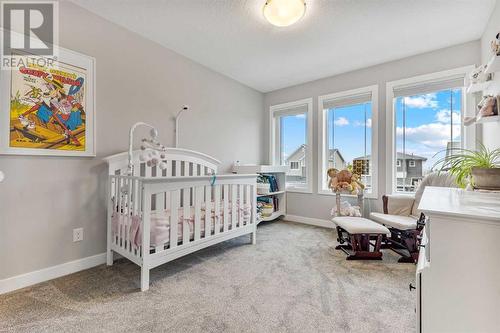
184, 203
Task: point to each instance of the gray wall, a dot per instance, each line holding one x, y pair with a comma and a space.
316, 205
43, 198
491, 131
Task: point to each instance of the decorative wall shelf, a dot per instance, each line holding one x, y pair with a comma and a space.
478, 87
488, 119
493, 65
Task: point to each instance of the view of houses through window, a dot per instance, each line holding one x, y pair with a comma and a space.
349, 135
428, 127
293, 148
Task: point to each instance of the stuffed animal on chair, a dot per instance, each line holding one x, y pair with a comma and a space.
495, 45
344, 181
357, 185
333, 181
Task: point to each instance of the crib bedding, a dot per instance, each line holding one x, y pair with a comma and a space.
160, 223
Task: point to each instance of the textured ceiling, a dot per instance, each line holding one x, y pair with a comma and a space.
335, 36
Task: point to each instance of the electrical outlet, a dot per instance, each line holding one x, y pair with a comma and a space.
77, 235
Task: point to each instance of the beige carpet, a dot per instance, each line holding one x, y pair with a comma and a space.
291, 281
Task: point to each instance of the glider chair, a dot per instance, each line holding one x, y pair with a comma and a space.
403, 219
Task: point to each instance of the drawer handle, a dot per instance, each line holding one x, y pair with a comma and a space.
411, 287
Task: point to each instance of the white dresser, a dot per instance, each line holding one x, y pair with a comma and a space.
458, 271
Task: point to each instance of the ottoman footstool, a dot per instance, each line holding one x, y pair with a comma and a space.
358, 233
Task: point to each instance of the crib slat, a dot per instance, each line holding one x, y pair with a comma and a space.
197, 212
248, 200
186, 216
234, 212
239, 205
133, 207
124, 213
115, 206
129, 213
254, 216
120, 211
208, 211
177, 168
217, 203
174, 217
170, 168
226, 208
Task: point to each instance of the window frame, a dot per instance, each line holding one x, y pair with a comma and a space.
468, 132
412, 164
274, 149
323, 144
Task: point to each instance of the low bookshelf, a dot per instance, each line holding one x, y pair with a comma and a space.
275, 195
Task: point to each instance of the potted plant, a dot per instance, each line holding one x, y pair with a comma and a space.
479, 168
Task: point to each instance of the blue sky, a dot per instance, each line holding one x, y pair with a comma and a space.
428, 126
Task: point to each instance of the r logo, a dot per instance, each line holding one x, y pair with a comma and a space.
34, 20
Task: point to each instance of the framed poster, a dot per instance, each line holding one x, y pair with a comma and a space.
48, 107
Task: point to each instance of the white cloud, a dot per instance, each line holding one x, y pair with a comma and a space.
434, 135
341, 121
360, 123
422, 101
444, 116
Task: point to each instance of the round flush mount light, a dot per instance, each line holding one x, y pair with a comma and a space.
282, 13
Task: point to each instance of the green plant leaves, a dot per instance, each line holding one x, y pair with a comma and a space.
461, 162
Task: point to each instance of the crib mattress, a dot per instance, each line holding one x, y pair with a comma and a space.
160, 223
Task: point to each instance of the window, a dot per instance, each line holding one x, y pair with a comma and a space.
291, 137
347, 138
426, 121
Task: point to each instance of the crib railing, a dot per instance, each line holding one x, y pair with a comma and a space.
198, 209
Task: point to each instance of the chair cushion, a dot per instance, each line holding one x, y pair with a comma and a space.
359, 225
395, 221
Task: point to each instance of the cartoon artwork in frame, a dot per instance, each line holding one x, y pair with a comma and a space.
48, 107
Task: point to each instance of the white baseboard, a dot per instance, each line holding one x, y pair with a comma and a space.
310, 221
49, 273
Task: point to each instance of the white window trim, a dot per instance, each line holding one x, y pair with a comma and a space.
398, 163
468, 133
412, 164
274, 149
322, 147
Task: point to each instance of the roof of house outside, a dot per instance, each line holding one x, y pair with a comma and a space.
299, 149
301, 154
332, 152
400, 156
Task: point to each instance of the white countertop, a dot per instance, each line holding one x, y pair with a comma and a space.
458, 202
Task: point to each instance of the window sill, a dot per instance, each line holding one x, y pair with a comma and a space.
299, 190
366, 196
409, 194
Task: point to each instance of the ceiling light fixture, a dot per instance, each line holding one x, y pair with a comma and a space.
282, 13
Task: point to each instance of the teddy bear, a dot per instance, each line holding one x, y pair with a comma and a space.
487, 107
495, 45
333, 181
357, 185
344, 181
